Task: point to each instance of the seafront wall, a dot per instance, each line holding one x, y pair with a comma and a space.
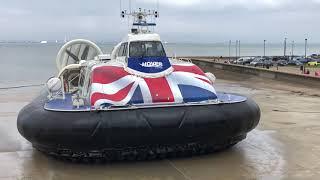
259, 72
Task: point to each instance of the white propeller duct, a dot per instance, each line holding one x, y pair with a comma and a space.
77, 50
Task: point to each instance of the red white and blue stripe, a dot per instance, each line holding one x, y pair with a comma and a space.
112, 85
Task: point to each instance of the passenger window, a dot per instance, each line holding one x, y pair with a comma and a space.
120, 52
125, 49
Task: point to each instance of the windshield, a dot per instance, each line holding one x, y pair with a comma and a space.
146, 49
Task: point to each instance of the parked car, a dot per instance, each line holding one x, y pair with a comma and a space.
268, 63
248, 60
304, 60
286, 58
257, 62
243, 61
238, 61
276, 59
295, 62
314, 56
261, 62
267, 58
282, 63
313, 63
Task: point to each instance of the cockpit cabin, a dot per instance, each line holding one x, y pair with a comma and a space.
139, 46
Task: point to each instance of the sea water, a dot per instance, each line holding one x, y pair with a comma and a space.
33, 63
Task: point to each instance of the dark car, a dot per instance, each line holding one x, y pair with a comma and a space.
261, 62
295, 62
282, 63
304, 60
276, 59
257, 62
267, 63
268, 58
285, 58
315, 56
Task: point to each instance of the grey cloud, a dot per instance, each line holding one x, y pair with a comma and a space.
180, 20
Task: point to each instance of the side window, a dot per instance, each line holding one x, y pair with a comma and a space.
120, 52
125, 49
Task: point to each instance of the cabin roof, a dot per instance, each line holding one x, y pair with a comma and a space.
142, 37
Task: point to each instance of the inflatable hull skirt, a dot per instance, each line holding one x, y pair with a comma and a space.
136, 134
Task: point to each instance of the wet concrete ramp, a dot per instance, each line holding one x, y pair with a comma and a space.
286, 144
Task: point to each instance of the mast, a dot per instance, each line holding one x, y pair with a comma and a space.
142, 19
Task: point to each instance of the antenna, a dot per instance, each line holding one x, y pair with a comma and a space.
141, 19
158, 7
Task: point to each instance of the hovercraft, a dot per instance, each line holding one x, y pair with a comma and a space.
135, 104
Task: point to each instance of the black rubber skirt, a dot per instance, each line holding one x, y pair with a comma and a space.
220, 125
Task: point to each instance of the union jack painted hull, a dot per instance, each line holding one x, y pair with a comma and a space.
113, 85
112, 131
97, 132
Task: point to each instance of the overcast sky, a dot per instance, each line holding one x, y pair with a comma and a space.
206, 21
